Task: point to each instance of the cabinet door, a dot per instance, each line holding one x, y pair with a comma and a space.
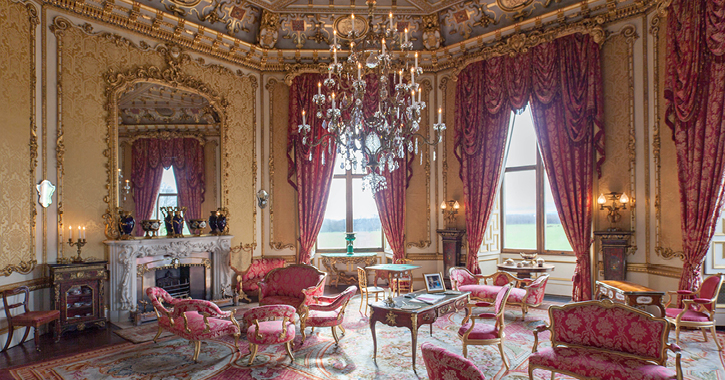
79, 300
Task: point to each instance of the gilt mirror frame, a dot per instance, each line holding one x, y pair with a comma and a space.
118, 84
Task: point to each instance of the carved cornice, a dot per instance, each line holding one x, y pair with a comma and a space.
656, 269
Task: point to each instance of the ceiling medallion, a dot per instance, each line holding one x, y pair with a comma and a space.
186, 3
343, 26
370, 130
513, 5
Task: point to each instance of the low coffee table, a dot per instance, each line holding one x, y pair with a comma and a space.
630, 294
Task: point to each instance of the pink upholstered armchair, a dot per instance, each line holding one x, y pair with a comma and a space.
295, 285
698, 310
445, 365
328, 312
264, 327
247, 281
473, 333
531, 295
195, 320
163, 315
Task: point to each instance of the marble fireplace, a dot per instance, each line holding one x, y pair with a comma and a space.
131, 262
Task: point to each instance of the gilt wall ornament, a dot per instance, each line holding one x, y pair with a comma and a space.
431, 32
268, 29
513, 5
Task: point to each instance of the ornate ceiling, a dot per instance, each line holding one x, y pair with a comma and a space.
308, 24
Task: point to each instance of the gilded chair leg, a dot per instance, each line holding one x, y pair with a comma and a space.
343, 330
704, 333
302, 329
334, 335
552, 375
252, 352
503, 356
677, 335
197, 349
465, 351
714, 337
313, 330
289, 350
158, 334
236, 342
359, 309
10, 337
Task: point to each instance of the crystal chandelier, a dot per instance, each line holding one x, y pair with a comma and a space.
372, 141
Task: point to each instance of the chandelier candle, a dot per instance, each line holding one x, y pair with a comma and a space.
376, 124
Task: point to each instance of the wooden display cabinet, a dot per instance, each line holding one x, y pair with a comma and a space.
78, 292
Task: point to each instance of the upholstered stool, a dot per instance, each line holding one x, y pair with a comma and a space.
264, 328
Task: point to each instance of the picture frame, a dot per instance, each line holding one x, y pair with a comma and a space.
434, 282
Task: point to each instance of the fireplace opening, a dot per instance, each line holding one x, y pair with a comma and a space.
183, 282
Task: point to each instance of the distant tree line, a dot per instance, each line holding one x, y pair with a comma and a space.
359, 225
531, 219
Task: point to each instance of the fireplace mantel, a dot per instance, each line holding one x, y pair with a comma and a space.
123, 255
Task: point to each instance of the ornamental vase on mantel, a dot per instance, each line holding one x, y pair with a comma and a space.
178, 222
126, 223
212, 222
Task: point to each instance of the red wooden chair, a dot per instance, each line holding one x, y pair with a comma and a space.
28, 318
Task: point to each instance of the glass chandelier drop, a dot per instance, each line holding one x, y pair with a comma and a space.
372, 141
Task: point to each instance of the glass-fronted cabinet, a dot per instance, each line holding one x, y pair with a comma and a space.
79, 294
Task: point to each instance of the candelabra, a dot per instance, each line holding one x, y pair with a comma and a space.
126, 186
372, 139
450, 210
78, 244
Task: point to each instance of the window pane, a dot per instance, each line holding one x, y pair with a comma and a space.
522, 149
366, 221
332, 233
555, 237
520, 210
340, 161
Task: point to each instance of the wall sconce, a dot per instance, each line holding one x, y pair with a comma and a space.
262, 198
619, 202
450, 210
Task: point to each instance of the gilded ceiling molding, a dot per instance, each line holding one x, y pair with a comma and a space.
167, 135
275, 245
27, 266
293, 71
665, 252
521, 42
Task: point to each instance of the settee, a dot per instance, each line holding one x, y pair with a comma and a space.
247, 282
526, 292
606, 341
295, 285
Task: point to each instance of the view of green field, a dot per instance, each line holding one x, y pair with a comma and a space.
523, 236
365, 239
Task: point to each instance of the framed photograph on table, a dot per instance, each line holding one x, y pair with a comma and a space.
434, 283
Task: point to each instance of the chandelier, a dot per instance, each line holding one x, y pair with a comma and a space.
377, 140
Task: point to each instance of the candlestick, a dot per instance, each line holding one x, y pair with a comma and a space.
420, 91
382, 43
333, 101
303, 118
352, 16
390, 20
70, 233
412, 97
319, 88
401, 77
406, 35
334, 37
416, 60
440, 112
334, 53
84, 233
412, 75
358, 71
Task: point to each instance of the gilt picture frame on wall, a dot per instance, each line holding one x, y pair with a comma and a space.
434, 283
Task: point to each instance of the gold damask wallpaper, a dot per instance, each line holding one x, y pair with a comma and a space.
283, 198
615, 173
18, 147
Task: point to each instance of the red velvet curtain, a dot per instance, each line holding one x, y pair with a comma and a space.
146, 177
566, 104
482, 123
151, 157
694, 92
562, 80
189, 172
312, 176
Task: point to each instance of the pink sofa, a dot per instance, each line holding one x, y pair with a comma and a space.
526, 292
606, 341
250, 278
295, 285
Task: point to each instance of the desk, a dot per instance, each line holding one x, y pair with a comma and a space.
425, 314
525, 272
394, 270
630, 294
329, 260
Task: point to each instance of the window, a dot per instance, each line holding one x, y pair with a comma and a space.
530, 219
168, 197
350, 209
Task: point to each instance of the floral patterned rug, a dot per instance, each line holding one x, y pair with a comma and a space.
319, 358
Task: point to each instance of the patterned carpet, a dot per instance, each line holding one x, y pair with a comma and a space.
319, 358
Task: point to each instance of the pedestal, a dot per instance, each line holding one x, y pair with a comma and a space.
452, 240
614, 253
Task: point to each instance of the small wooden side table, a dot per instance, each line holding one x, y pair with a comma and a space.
630, 294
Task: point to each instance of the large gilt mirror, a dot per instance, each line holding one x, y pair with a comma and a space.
165, 138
